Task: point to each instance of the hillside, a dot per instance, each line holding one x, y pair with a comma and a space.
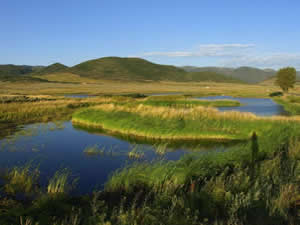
246, 74
132, 69
115, 68
210, 76
53, 68
18, 73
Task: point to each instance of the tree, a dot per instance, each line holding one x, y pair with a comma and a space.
286, 78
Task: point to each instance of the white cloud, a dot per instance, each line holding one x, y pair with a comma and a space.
211, 50
271, 60
235, 55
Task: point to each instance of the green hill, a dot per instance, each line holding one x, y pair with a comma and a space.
246, 74
53, 68
115, 68
210, 76
18, 73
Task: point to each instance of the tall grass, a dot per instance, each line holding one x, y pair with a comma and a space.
290, 103
22, 179
178, 123
59, 183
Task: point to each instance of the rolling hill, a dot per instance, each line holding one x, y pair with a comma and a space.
115, 68
246, 74
132, 69
18, 73
53, 68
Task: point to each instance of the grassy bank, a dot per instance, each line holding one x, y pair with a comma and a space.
177, 123
291, 104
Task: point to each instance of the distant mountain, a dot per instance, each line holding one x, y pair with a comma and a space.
210, 76
132, 69
53, 68
246, 74
16, 73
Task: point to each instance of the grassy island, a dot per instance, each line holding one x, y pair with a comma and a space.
175, 123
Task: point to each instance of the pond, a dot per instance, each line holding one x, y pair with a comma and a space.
258, 106
54, 147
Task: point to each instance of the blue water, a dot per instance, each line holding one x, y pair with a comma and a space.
59, 147
258, 106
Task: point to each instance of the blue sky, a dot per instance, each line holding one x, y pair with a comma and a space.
201, 33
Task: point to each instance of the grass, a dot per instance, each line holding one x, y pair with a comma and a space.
291, 104
93, 150
104, 86
30, 109
135, 153
59, 183
173, 123
260, 178
186, 102
22, 179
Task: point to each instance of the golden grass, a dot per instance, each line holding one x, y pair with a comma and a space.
123, 87
190, 113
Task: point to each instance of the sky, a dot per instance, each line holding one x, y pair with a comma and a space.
227, 33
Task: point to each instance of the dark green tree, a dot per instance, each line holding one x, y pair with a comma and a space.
286, 78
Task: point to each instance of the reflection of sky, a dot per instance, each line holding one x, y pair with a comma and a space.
258, 106
59, 148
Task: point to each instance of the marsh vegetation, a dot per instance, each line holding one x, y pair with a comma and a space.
157, 184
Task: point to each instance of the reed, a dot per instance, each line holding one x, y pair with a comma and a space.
93, 150
23, 179
59, 183
135, 153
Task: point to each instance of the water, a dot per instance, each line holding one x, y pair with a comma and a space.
55, 147
258, 106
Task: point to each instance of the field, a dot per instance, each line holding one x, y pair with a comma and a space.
100, 87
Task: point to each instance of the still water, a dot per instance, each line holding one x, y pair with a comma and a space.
258, 106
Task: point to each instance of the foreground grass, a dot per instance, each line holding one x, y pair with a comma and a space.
177, 123
260, 178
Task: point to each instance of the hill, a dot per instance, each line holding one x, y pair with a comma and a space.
210, 76
246, 74
18, 73
53, 68
115, 68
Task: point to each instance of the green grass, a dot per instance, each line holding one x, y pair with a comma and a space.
170, 123
93, 150
23, 179
291, 104
186, 103
59, 183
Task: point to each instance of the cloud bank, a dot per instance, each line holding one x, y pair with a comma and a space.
235, 55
